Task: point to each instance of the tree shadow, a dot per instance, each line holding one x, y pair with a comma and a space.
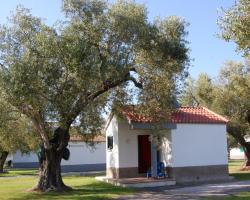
93, 191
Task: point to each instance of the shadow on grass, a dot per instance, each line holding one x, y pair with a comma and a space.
241, 176
93, 191
237, 163
241, 196
19, 172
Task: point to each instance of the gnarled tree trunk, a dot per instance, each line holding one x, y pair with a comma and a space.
3, 157
246, 148
50, 178
235, 130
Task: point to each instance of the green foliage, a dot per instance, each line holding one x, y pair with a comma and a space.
103, 53
235, 25
16, 131
199, 92
232, 98
233, 91
229, 96
233, 94
188, 95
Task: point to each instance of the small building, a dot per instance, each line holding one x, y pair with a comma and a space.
237, 154
194, 146
82, 156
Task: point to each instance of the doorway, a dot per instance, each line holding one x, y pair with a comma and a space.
144, 153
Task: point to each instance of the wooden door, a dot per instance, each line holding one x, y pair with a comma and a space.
144, 153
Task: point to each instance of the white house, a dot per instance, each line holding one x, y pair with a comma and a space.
194, 146
82, 156
237, 153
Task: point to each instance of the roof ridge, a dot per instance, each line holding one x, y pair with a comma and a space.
220, 116
187, 106
185, 114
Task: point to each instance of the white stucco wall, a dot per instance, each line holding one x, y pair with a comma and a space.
166, 151
112, 155
10, 157
199, 145
18, 157
128, 145
80, 153
125, 149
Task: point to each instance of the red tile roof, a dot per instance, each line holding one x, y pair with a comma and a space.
192, 115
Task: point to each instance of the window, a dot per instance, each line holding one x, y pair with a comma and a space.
110, 142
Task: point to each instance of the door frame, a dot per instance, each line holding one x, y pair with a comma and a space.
144, 161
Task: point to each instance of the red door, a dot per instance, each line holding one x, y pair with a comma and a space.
144, 153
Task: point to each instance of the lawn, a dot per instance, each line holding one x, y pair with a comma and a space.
235, 171
19, 172
18, 181
84, 188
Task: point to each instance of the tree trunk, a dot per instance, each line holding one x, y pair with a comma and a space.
246, 148
235, 131
3, 158
50, 178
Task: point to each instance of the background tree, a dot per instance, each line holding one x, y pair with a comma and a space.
188, 94
235, 25
67, 74
233, 101
229, 96
198, 92
16, 133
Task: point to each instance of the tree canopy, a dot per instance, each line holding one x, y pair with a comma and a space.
228, 95
198, 92
235, 25
100, 55
16, 132
54, 72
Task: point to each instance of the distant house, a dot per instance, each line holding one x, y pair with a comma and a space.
238, 152
194, 146
82, 156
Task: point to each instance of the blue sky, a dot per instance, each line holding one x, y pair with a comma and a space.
207, 50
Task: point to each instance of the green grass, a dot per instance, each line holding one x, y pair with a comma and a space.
19, 172
235, 170
15, 188
84, 188
240, 196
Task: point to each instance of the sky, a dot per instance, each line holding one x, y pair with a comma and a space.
208, 52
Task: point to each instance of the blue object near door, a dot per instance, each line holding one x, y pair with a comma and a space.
160, 171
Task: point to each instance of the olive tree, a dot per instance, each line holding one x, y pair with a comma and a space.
228, 95
235, 25
198, 92
102, 54
232, 100
16, 132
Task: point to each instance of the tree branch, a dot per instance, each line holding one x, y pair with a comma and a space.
106, 87
114, 84
2, 66
37, 121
